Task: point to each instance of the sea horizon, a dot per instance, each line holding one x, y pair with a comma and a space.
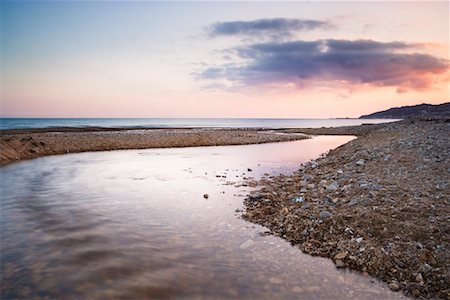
7, 123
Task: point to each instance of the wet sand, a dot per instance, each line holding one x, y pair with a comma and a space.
378, 204
21, 144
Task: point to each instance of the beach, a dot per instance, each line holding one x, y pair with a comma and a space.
378, 204
21, 144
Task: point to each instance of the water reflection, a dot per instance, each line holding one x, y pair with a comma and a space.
134, 224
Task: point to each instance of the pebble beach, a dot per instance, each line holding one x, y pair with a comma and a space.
378, 204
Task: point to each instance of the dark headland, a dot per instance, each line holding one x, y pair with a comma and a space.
411, 111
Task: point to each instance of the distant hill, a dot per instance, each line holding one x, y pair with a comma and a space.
411, 111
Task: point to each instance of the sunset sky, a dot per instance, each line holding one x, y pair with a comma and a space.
221, 59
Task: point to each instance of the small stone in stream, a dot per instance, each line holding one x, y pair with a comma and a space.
359, 240
249, 170
275, 280
324, 215
340, 264
339, 171
206, 196
237, 210
394, 286
247, 244
341, 255
360, 162
352, 203
297, 289
419, 278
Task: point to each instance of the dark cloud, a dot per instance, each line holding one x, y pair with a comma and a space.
279, 27
342, 61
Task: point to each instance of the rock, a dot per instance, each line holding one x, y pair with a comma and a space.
249, 170
257, 196
394, 286
353, 202
419, 278
247, 244
237, 210
339, 171
340, 264
206, 196
305, 206
360, 162
297, 290
299, 199
306, 177
324, 215
341, 255
275, 280
332, 187
359, 240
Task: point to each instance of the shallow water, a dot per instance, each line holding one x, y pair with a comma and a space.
135, 224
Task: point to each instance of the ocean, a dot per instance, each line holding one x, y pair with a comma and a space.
17, 123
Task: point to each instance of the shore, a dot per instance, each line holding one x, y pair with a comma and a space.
378, 204
21, 144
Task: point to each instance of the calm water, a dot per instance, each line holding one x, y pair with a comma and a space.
134, 224
14, 123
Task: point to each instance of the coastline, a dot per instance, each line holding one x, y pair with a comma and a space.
18, 144
378, 204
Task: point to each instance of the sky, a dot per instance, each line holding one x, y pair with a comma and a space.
221, 59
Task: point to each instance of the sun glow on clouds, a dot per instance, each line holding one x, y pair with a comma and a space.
347, 64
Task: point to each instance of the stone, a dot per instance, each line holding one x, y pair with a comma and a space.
340, 264
275, 280
341, 255
249, 170
324, 215
299, 199
206, 196
419, 278
359, 240
353, 202
257, 196
394, 286
247, 244
305, 206
332, 187
360, 162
